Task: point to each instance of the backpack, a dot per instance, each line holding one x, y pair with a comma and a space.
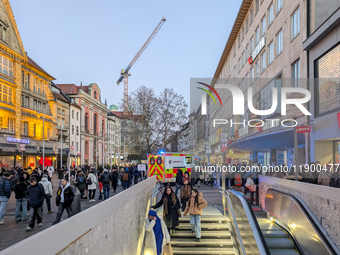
89, 181
125, 177
81, 179
105, 178
238, 179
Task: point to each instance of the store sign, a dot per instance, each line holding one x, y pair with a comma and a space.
303, 129
257, 50
17, 140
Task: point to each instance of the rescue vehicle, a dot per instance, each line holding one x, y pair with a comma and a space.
166, 165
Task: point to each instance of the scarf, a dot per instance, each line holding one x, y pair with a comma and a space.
157, 229
165, 203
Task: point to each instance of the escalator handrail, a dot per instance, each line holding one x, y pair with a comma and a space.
326, 240
259, 238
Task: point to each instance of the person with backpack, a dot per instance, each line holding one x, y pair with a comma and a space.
5, 194
64, 199
91, 182
195, 205
81, 184
105, 179
126, 179
136, 174
114, 179
21, 201
35, 195
236, 180
48, 192
185, 189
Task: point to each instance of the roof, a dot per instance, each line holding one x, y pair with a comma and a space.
76, 105
241, 15
68, 89
61, 97
32, 63
119, 114
85, 88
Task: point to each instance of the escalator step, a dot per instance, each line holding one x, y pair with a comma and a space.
279, 243
274, 233
205, 251
283, 252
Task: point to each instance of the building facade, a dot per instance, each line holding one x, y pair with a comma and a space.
114, 129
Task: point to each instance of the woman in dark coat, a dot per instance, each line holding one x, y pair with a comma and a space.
171, 207
185, 189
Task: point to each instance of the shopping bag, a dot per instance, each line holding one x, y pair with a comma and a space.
119, 183
167, 250
251, 185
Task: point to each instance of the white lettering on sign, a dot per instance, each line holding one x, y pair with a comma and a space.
258, 48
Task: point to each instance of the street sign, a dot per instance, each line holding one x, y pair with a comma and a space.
303, 129
141, 167
56, 151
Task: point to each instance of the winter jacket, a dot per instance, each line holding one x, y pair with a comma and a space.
13, 181
68, 195
81, 186
150, 239
47, 186
324, 178
114, 176
186, 188
179, 177
94, 181
20, 190
35, 195
193, 209
105, 177
5, 187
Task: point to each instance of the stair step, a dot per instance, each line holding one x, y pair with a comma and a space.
274, 233
204, 242
204, 234
280, 243
203, 251
205, 226
283, 252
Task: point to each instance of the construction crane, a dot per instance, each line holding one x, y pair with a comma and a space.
125, 73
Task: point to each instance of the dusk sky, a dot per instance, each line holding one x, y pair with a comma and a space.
91, 41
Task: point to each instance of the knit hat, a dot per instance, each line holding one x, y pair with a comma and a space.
45, 176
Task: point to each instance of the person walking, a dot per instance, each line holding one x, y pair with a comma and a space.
81, 183
114, 179
157, 235
195, 205
126, 179
185, 189
92, 185
179, 177
105, 179
64, 199
171, 207
48, 192
21, 201
35, 195
5, 194
325, 176
136, 174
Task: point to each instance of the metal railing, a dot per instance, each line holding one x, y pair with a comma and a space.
246, 230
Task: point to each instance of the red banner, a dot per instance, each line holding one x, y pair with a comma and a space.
339, 119
304, 129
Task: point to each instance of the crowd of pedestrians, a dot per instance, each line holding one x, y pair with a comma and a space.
31, 187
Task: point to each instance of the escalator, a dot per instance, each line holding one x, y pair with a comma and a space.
286, 227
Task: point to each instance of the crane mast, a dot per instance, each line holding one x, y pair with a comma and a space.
125, 73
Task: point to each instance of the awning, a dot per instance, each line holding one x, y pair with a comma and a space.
277, 140
31, 149
48, 150
8, 147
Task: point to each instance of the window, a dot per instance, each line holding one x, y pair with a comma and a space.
247, 81
257, 66
34, 130
278, 6
242, 33
122, 139
24, 128
239, 64
251, 15
239, 40
58, 121
247, 25
72, 143
63, 112
257, 6
77, 130
6, 66
257, 36
95, 94
26, 102
279, 43
234, 72
44, 108
95, 124
251, 44
77, 115
295, 23
72, 129
72, 114
263, 26
270, 53
43, 87
247, 52
252, 76
152, 161
243, 59
26, 80
234, 49
58, 110
296, 73
76, 146
62, 123
86, 147
3, 31
39, 87
48, 133
1, 122
34, 84
270, 15
11, 125
86, 122
263, 61
6, 94
159, 160
39, 107
34, 104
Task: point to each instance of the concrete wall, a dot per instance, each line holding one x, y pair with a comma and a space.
115, 226
323, 201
